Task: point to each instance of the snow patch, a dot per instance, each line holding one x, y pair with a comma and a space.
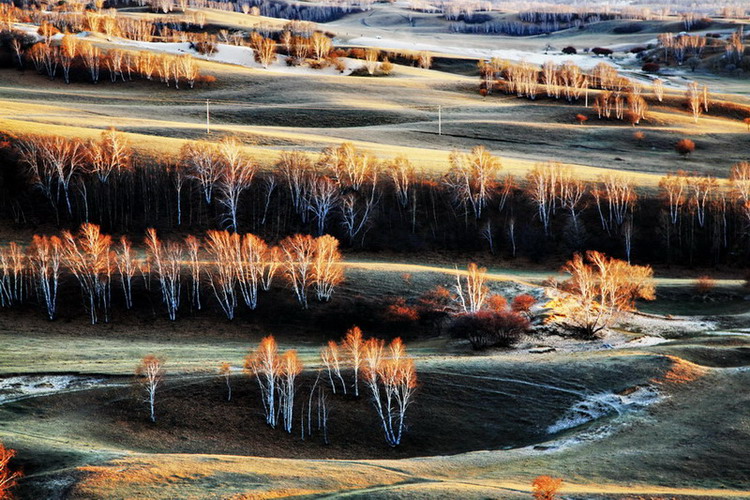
15, 388
241, 56
645, 341
600, 405
584, 61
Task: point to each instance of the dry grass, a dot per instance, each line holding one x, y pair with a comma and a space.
681, 371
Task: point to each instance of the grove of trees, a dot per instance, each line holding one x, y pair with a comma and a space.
386, 370
370, 203
598, 291
234, 267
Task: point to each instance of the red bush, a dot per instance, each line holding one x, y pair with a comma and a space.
489, 329
399, 311
685, 147
522, 303
497, 303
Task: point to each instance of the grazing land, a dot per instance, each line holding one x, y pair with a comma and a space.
539, 217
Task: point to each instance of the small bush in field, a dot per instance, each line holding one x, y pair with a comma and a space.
522, 304
685, 147
546, 487
497, 303
489, 329
704, 284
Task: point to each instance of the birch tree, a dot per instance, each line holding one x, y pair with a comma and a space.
599, 290
151, 373
289, 367
127, 265
471, 292
354, 345
203, 164
225, 371
236, 176
167, 261
392, 379
331, 358
327, 272
299, 254
45, 260
89, 258
472, 177
265, 365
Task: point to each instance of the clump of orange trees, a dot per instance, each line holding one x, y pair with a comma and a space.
392, 379
276, 375
236, 267
598, 291
385, 369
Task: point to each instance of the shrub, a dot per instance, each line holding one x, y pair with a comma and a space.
8, 477
601, 51
546, 487
436, 299
496, 303
204, 45
339, 65
206, 80
317, 64
639, 136
489, 329
651, 67
386, 67
522, 304
357, 53
701, 24
401, 312
685, 147
704, 284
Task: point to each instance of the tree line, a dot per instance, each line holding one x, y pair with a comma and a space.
233, 268
369, 203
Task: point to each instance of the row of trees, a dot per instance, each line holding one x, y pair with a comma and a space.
77, 58
613, 95
234, 267
386, 370
684, 47
353, 195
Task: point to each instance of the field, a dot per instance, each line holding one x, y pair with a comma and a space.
275, 109
655, 405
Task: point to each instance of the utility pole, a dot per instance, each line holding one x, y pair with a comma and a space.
440, 120
208, 118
